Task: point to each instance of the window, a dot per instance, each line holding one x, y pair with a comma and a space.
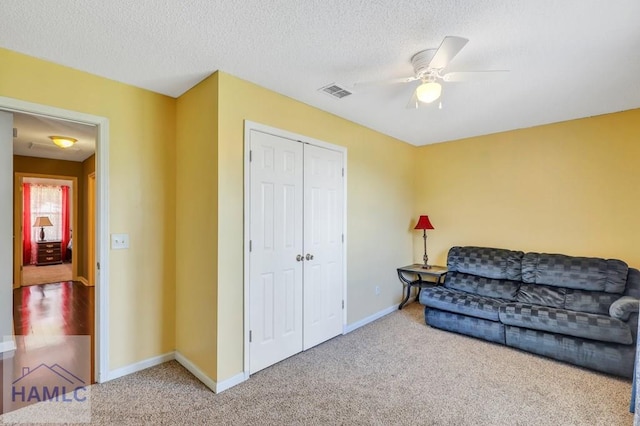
47, 201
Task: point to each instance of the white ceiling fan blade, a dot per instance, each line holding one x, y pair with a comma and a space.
457, 76
384, 82
449, 48
413, 102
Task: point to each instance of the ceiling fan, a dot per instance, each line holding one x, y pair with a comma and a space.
429, 65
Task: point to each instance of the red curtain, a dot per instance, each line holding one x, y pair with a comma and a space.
26, 224
65, 220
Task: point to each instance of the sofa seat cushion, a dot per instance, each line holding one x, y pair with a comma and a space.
562, 321
460, 302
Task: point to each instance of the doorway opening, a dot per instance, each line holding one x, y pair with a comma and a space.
45, 255
95, 272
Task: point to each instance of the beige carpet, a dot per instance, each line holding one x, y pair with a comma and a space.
393, 371
32, 275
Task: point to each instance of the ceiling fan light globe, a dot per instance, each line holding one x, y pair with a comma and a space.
428, 92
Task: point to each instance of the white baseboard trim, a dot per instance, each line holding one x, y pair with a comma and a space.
191, 367
184, 361
230, 382
371, 318
206, 380
139, 366
7, 345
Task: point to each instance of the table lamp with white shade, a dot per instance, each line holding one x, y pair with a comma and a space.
42, 221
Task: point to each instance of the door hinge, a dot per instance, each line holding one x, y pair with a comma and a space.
343, 238
250, 336
343, 304
250, 155
98, 265
343, 172
250, 246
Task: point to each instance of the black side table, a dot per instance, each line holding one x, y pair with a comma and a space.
408, 274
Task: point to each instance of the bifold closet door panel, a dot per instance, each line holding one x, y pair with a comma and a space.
323, 244
276, 285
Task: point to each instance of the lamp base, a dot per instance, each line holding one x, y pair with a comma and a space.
426, 266
41, 233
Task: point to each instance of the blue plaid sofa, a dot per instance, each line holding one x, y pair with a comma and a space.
579, 310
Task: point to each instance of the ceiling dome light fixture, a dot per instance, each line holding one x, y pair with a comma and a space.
63, 141
428, 92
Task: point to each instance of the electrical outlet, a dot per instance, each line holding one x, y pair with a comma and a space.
377, 290
119, 241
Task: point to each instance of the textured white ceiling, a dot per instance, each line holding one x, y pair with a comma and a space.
568, 59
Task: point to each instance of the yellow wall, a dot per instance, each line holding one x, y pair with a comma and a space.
380, 207
569, 187
142, 194
197, 225
88, 167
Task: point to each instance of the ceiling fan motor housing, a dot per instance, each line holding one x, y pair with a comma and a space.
421, 61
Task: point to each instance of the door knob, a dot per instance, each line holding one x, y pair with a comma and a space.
309, 256
299, 258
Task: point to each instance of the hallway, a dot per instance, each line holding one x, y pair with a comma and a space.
48, 319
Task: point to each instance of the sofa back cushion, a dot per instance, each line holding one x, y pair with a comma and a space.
486, 262
488, 287
594, 302
582, 273
541, 295
633, 283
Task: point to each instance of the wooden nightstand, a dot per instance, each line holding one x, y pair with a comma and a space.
412, 276
49, 253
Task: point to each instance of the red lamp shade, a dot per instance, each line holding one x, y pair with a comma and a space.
424, 223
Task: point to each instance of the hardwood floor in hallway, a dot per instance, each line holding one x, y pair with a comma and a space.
65, 308
48, 319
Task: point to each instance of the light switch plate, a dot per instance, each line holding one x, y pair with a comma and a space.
119, 241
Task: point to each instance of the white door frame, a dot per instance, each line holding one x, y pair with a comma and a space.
248, 126
102, 217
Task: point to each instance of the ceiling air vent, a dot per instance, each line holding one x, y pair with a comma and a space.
335, 90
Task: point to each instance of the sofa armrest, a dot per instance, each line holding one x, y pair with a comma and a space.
624, 307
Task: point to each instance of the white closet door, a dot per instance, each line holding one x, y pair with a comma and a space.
296, 259
323, 246
275, 300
